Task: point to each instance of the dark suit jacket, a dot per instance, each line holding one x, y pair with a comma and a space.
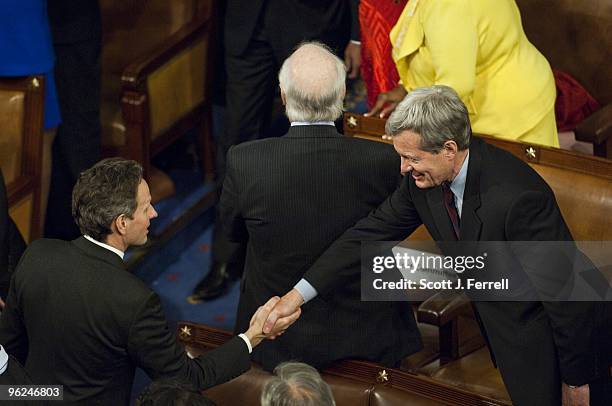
290, 197
76, 317
533, 343
289, 22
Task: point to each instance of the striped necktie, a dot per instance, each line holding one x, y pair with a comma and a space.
451, 209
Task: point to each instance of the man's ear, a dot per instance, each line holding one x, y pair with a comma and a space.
120, 224
283, 96
450, 149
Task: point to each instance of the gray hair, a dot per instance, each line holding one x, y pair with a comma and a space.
104, 192
296, 384
310, 103
436, 113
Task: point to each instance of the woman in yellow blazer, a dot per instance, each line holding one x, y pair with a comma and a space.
478, 47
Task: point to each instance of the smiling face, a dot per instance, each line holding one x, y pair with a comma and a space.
428, 169
137, 227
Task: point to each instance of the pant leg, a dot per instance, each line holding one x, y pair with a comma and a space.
251, 84
250, 88
521, 340
77, 144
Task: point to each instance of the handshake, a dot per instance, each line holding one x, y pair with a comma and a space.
273, 318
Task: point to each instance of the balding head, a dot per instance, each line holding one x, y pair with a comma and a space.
312, 84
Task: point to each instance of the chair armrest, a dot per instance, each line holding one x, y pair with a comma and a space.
597, 128
444, 307
135, 73
458, 331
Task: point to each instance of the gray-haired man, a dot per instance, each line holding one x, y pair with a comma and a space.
464, 189
288, 198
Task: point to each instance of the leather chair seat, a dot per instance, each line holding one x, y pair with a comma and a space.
430, 351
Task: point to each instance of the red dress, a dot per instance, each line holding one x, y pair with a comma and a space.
376, 18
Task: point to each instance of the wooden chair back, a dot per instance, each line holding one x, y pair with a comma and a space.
21, 132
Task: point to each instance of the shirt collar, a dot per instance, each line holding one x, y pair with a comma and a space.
108, 247
457, 186
294, 123
4, 359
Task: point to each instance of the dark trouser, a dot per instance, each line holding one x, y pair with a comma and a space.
527, 356
252, 82
77, 143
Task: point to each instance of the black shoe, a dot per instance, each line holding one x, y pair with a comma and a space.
215, 284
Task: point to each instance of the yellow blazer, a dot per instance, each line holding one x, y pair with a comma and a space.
478, 47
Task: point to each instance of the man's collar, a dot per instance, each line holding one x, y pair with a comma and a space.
108, 247
457, 186
296, 123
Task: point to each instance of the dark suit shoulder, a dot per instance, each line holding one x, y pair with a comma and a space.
372, 149
502, 167
63, 262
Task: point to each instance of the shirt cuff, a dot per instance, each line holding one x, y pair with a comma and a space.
305, 289
354, 41
246, 340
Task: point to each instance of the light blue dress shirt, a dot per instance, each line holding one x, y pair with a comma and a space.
457, 186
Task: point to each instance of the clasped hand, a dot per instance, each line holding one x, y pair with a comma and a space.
257, 327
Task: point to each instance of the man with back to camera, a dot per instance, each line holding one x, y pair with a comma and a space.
76, 317
288, 198
258, 36
463, 189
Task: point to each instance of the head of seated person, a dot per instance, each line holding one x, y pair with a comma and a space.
312, 84
296, 384
172, 392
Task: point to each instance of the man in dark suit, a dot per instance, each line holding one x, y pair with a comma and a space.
288, 198
464, 189
75, 317
259, 35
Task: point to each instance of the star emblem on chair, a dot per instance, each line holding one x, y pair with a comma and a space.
352, 122
531, 153
185, 332
383, 376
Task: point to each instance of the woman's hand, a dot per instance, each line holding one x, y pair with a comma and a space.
387, 102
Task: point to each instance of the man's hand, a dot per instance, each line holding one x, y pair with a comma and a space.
387, 102
281, 316
255, 332
352, 59
578, 396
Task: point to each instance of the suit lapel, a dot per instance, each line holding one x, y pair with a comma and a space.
435, 202
470, 222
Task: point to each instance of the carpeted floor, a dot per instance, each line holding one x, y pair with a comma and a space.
178, 266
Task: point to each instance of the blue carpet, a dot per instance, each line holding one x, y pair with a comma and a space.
175, 269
